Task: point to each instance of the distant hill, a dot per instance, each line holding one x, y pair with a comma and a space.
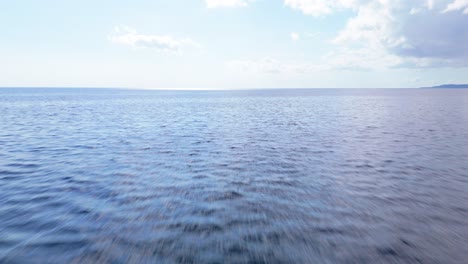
450, 86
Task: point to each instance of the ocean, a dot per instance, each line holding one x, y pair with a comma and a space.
252, 176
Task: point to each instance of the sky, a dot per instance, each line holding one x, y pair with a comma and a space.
233, 44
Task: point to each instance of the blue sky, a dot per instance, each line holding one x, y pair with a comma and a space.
224, 44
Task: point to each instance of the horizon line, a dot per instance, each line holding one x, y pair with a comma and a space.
200, 89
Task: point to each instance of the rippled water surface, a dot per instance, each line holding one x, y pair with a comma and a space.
274, 176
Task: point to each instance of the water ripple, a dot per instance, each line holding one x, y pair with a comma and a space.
233, 177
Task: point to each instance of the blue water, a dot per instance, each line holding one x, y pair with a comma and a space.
273, 176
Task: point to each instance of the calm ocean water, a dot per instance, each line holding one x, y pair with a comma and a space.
273, 176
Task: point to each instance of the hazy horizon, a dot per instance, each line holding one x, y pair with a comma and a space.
221, 89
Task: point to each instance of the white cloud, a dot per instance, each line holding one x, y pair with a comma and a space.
273, 66
294, 36
312, 35
360, 59
415, 11
418, 33
319, 7
383, 34
130, 37
226, 3
458, 5
343, 59
310, 7
430, 4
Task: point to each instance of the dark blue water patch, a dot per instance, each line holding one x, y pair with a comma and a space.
11, 173
23, 165
226, 195
272, 176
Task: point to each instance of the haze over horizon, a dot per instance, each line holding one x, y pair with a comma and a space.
234, 44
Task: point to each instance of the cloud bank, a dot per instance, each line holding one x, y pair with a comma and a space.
391, 33
319, 7
458, 5
420, 33
130, 37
